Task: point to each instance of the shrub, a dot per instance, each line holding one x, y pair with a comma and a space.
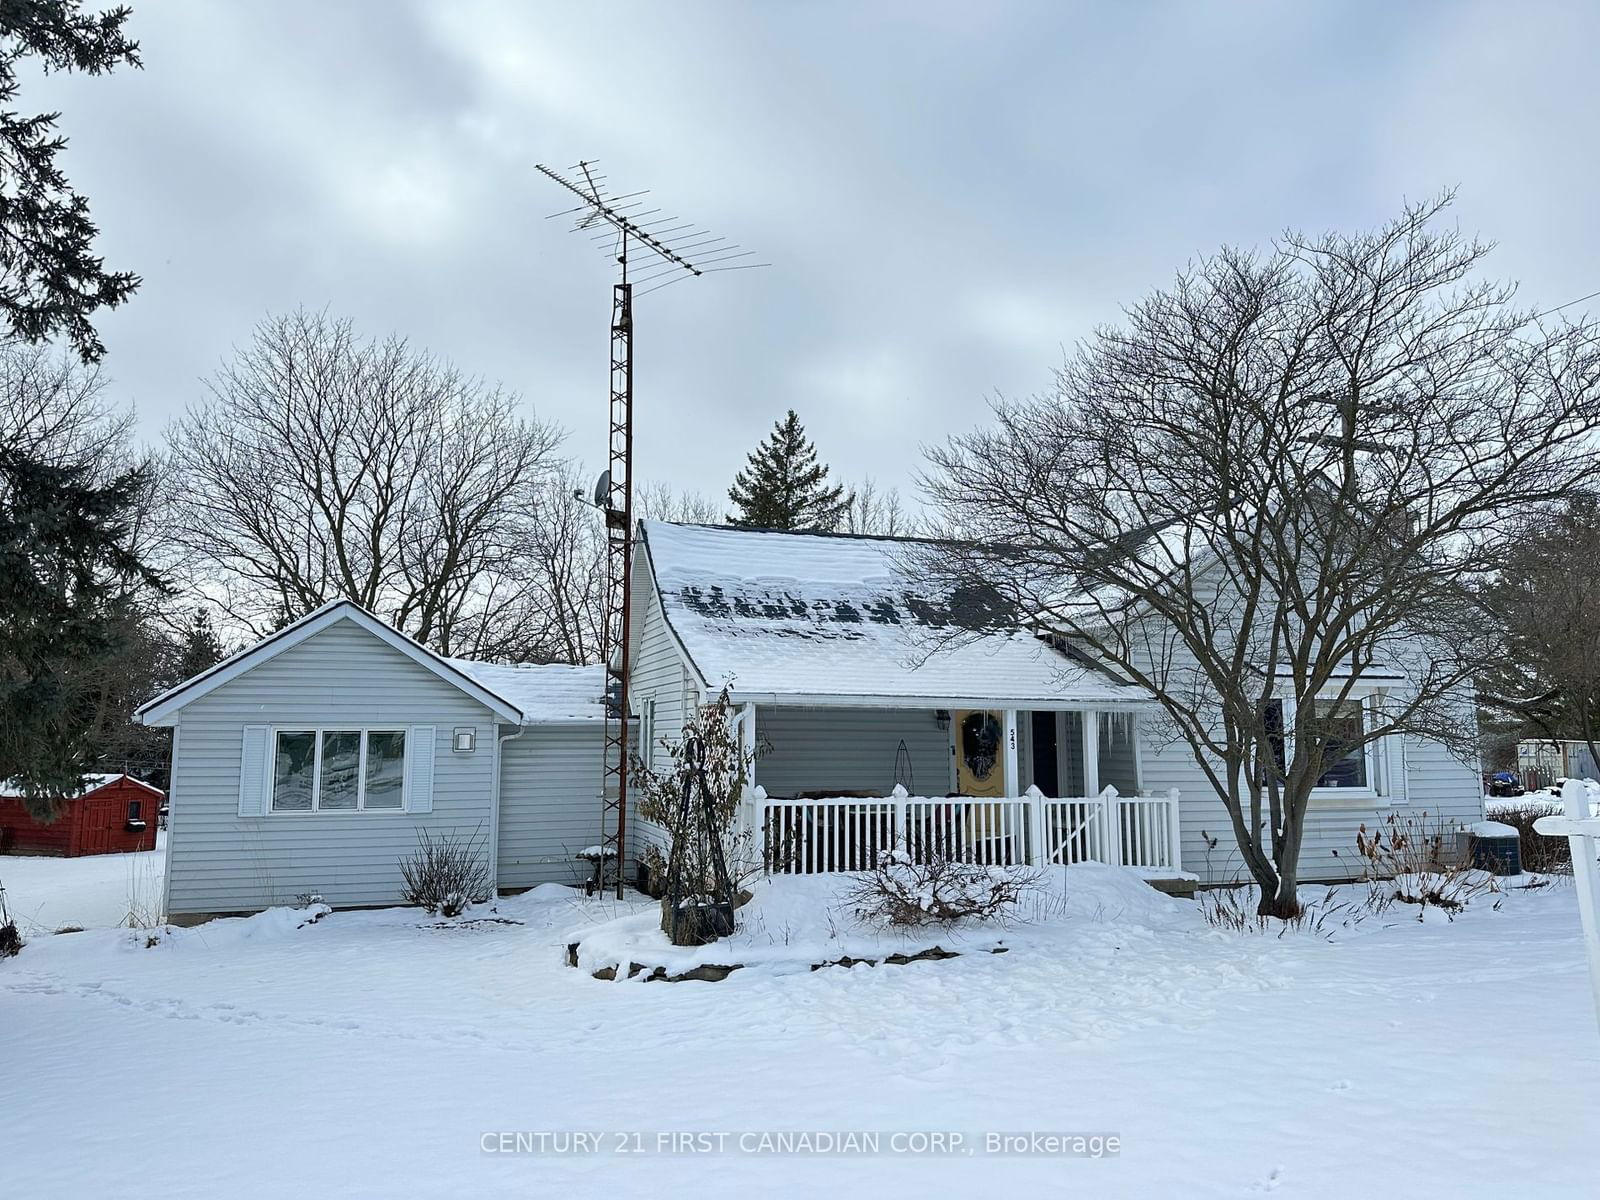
694, 836
904, 893
1404, 860
10, 938
445, 874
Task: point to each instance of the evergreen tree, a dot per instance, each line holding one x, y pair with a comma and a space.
69, 583
202, 648
783, 486
51, 281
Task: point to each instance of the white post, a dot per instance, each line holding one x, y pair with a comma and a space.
756, 843
753, 819
1575, 798
1010, 759
898, 798
1174, 833
1113, 826
1038, 852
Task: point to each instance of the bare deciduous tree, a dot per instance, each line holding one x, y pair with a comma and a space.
1274, 488
565, 584
53, 408
660, 502
876, 513
327, 466
1547, 596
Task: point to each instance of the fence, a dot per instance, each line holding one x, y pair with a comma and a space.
808, 837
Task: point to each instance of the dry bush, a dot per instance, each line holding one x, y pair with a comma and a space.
904, 893
10, 938
445, 874
659, 793
1234, 909
145, 896
1405, 860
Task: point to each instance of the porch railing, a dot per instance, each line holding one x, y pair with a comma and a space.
808, 837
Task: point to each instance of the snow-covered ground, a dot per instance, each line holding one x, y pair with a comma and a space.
93, 892
379, 1054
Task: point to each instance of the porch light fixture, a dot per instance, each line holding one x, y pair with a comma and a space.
942, 717
466, 740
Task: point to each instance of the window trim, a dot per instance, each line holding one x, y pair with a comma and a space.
1378, 792
647, 732
317, 732
1371, 760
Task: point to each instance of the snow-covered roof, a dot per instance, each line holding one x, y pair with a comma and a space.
93, 782
830, 618
544, 692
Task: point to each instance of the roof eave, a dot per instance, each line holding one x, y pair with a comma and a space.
163, 710
845, 700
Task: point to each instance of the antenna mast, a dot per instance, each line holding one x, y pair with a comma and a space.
668, 250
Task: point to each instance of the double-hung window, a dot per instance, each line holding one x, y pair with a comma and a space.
338, 770
1343, 765
1350, 769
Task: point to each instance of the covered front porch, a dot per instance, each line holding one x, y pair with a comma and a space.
833, 786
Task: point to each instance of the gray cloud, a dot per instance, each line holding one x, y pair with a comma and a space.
948, 192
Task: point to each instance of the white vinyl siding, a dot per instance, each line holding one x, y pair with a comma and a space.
661, 677
549, 804
850, 750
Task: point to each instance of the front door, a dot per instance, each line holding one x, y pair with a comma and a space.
979, 771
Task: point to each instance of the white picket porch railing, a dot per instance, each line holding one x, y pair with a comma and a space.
808, 837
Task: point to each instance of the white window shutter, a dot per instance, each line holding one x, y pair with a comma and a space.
420, 747
253, 772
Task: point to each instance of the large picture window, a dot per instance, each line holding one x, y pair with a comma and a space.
338, 770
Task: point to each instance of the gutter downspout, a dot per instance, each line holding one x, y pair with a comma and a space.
494, 811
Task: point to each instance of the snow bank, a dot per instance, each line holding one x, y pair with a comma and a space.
794, 922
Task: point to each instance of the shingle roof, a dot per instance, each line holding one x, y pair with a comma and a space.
839, 617
544, 692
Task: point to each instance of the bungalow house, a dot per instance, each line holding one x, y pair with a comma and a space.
311, 763
849, 682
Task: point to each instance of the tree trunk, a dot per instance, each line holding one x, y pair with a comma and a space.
1284, 901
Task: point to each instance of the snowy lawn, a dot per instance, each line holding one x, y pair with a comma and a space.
96, 891
367, 1054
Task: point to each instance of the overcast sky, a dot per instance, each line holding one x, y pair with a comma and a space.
948, 193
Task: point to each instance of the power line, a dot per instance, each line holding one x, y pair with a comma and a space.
1568, 304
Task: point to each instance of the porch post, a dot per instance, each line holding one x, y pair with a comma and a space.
1010, 754
753, 833
747, 743
1091, 753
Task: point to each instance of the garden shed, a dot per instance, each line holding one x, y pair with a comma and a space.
114, 814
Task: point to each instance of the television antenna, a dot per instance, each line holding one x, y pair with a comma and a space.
652, 250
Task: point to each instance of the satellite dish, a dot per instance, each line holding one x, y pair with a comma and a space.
602, 490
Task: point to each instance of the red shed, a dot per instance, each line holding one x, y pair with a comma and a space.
113, 815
